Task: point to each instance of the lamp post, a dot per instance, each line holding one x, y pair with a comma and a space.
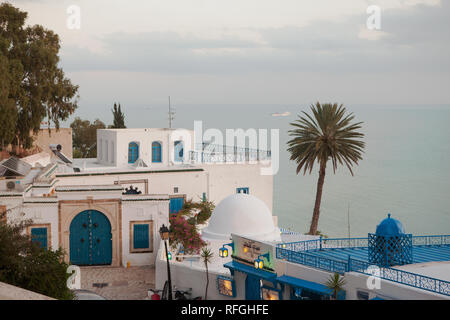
164, 233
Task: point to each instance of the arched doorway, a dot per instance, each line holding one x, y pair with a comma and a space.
90, 239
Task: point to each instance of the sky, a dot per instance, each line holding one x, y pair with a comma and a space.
139, 52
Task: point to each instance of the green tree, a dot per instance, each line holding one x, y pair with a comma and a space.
119, 118
84, 135
328, 134
336, 284
206, 256
197, 212
26, 265
8, 110
32, 85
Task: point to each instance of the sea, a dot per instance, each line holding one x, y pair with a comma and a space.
405, 169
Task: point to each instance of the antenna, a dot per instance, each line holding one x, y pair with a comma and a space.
171, 115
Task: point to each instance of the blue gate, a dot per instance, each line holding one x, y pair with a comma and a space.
90, 239
252, 288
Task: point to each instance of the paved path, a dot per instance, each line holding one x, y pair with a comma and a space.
118, 283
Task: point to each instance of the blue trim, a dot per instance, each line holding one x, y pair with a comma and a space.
300, 283
240, 267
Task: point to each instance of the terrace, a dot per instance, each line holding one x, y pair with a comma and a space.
347, 255
213, 153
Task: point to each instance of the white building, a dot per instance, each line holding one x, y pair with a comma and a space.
108, 210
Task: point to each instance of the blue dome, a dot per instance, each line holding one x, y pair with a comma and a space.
390, 227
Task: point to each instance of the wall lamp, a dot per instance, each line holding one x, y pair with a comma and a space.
223, 252
259, 263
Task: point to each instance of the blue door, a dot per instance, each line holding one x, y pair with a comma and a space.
252, 288
90, 239
176, 204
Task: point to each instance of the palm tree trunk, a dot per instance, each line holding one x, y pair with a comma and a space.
316, 213
207, 282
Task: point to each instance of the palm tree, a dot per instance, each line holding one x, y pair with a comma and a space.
336, 284
328, 134
206, 257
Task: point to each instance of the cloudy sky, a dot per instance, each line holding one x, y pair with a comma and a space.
252, 51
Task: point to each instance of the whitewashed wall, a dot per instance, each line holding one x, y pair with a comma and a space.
157, 211
40, 213
388, 289
184, 277
217, 181
144, 139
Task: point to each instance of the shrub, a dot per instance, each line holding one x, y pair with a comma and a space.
26, 265
182, 232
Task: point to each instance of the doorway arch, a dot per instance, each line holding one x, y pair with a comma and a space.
90, 239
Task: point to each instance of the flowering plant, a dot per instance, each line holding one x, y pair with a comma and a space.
186, 234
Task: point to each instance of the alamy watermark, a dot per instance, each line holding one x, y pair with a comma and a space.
73, 21
74, 280
374, 19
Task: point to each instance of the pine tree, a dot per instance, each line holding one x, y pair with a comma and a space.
119, 118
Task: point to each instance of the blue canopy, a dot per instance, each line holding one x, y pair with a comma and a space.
300, 283
236, 266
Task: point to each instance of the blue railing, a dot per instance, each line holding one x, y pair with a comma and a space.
221, 153
438, 240
402, 277
297, 252
322, 243
312, 260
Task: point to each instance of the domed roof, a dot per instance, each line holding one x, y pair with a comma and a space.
244, 215
390, 227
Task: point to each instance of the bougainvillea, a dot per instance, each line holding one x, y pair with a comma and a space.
182, 232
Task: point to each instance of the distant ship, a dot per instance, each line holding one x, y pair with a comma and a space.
284, 114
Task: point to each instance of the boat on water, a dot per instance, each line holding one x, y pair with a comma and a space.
284, 114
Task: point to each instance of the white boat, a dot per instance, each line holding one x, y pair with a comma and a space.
284, 114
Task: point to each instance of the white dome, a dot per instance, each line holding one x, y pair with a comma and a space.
244, 215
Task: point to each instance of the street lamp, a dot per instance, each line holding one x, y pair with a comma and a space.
164, 233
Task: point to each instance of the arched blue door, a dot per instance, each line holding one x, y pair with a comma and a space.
90, 239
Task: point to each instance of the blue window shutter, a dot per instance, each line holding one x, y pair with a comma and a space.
156, 152
140, 236
133, 152
39, 236
176, 204
243, 190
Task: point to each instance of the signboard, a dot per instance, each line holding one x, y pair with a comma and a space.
247, 251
